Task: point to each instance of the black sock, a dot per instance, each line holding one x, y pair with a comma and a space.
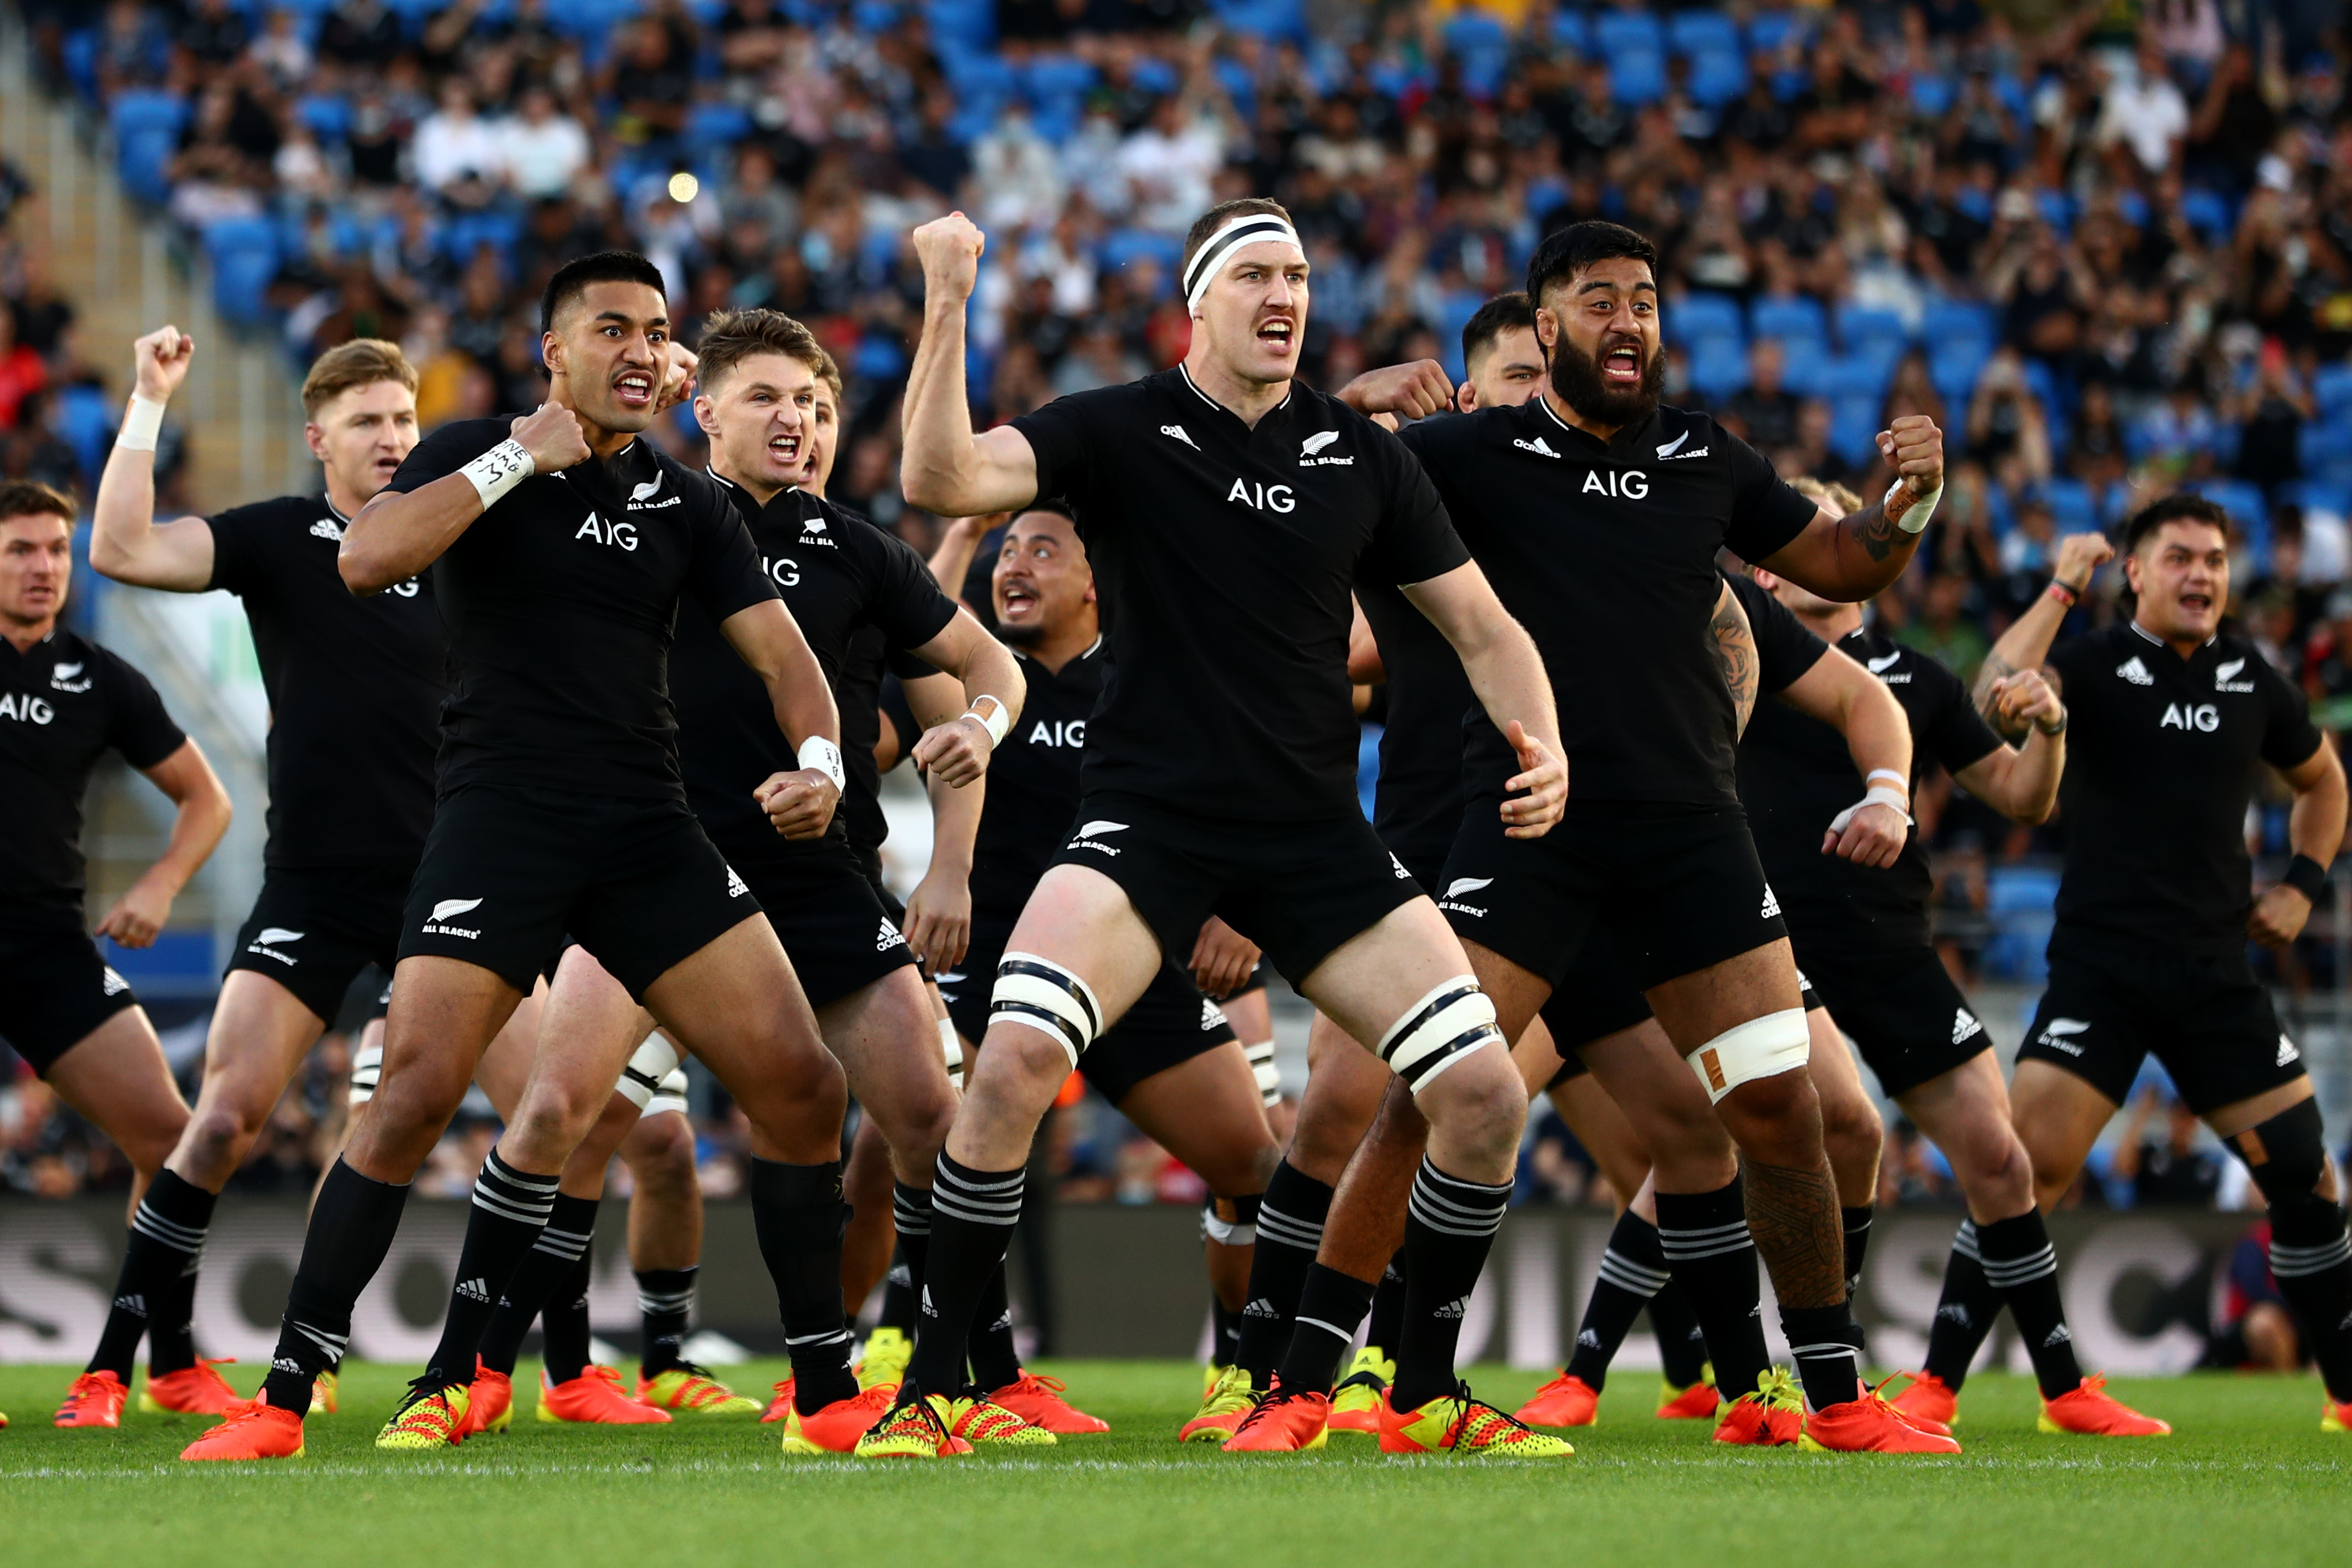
1857, 1245
1821, 1343
172, 1331
1682, 1347
352, 1226
973, 1217
507, 1219
167, 1241
1964, 1313
2311, 1258
1449, 1228
1633, 1271
536, 1282
1289, 1230
665, 1301
800, 1215
995, 1359
1331, 1307
902, 1291
1388, 1308
1225, 1332
1708, 1251
2018, 1262
563, 1323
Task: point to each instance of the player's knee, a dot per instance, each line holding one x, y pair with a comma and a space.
659, 1153
2288, 1158
1993, 1169
1852, 1131
1480, 1100
218, 1135
1048, 1000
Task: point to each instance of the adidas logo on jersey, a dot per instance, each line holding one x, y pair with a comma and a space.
736, 888
1212, 1016
2287, 1055
2225, 677
327, 528
68, 678
1402, 875
888, 937
114, 985
1771, 904
442, 911
2055, 1036
1181, 434
1965, 1025
1538, 447
2133, 671
475, 1289
1087, 836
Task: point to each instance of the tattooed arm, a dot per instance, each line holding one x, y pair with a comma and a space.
1851, 558
1734, 650
2027, 641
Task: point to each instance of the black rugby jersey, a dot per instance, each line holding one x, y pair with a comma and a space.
842, 578
1796, 774
561, 601
1033, 783
2163, 755
355, 686
1605, 552
1224, 554
63, 703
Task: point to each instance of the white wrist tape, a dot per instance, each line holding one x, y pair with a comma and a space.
820, 756
1879, 795
1890, 776
1761, 1047
1923, 506
991, 714
141, 422
498, 470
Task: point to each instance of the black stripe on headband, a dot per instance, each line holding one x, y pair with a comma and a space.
1268, 227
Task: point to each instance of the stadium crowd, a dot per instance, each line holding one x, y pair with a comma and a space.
2111, 255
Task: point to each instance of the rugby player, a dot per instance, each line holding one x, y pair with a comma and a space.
561, 810
2172, 721
65, 703
355, 688
1227, 512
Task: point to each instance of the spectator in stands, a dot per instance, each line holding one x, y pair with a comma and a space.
22, 373
2143, 114
541, 149
1764, 413
1944, 630
360, 36
456, 154
2159, 1158
2254, 1330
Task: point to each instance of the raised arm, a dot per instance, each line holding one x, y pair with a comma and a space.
1507, 674
959, 542
944, 468
956, 751
939, 912
2314, 830
196, 829
2027, 641
2021, 782
400, 533
1734, 650
765, 637
126, 542
1856, 704
1853, 557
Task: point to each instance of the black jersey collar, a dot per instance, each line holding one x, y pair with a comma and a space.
1629, 437
2150, 637
1194, 387
742, 497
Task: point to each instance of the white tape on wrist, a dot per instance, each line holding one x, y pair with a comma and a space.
1923, 506
1897, 780
991, 714
820, 756
1879, 795
498, 470
143, 421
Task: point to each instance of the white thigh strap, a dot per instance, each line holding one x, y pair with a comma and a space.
1761, 1047
648, 1065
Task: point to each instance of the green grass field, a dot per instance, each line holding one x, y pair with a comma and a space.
2249, 1479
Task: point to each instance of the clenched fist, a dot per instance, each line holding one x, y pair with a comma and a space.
161, 359
950, 250
553, 437
1412, 391
1914, 449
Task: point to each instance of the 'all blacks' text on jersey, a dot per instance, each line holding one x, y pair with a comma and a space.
1224, 554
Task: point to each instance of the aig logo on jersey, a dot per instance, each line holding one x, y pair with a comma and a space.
2191, 716
1631, 485
1070, 732
1264, 497
595, 530
25, 706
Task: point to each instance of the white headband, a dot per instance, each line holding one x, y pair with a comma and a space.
1249, 228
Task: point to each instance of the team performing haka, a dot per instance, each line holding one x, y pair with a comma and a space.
614, 807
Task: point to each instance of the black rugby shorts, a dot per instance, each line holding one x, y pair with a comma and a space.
833, 925
1169, 1024
55, 990
1597, 998
1299, 889
315, 928
1901, 1009
510, 869
1677, 888
2206, 1017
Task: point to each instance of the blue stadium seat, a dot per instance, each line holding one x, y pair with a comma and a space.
327, 114
1616, 31
970, 23
1693, 33
2020, 899
244, 252
1956, 321
146, 135
1853, 375
2057, 209
1932, 94
1637, 77
1953, 365
1860, 325
2321, 443
1768, 31
1798, 321
1122, 246
1719, 367
1570, 30
468, 232
2242, 499
1268, 18
2070, 505
85, 416
2208, 211
1703, 314
1718, 77
1853, 428
710, 127
2332, 389
1483, 45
